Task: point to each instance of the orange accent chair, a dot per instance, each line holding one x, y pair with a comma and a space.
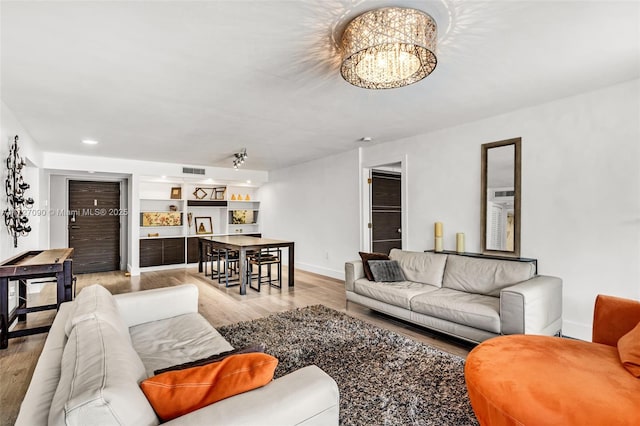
543, 380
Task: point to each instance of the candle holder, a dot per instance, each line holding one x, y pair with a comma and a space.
15, 216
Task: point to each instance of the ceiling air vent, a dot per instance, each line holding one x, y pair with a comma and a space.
192, 171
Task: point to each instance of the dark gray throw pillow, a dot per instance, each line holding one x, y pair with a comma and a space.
386, 271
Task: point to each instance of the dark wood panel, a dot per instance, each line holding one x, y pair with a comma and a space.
172, 251
386, 211
192, 250
95, 233
150, 252
386, 225
385, 191
386, 246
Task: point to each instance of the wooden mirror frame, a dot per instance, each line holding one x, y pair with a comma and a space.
516, 198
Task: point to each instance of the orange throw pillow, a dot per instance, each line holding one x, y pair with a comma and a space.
176, 393
629, 350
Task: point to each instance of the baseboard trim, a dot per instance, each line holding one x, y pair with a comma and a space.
339, 275
576, 330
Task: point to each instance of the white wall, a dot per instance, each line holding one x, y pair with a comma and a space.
315, 204
580, 195
29, 150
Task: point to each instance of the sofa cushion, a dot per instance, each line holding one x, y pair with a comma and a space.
396, 293
99, 379
366, 257
386, 271
474, 310
176, 393
92, 302
176, 340
484, 276
629, 350
421, 267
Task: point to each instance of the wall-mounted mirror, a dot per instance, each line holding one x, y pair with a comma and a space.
500, 213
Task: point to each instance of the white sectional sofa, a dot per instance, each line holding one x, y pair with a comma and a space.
101, 346
470, 298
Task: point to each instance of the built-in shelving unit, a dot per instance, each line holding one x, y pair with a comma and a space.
229, 209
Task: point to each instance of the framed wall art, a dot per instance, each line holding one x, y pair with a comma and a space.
176, 193
204, 225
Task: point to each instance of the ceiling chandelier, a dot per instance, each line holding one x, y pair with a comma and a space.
239, 157
388, 48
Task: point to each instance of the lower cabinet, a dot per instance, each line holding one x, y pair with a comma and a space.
192, 250
161, 251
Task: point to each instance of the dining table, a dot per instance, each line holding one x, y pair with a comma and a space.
243, 244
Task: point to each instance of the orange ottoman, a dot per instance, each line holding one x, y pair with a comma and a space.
542, 380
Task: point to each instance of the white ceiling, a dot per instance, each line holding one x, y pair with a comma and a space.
193, 82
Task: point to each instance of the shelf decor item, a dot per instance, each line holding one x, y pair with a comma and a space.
218, 193
438, 237
241, 217
176, 193
233, 197
15, 216
204, 225
247, 198
161, 219
199, 193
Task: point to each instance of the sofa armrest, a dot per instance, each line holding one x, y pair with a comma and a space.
353, 271
613, 317
152, 305
308, 396
532, 307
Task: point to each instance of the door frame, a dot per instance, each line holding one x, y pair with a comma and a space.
365, 201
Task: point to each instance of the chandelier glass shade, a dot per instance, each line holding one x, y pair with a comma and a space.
388, 48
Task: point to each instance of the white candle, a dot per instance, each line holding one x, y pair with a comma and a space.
460, 242
438, 229
438, 244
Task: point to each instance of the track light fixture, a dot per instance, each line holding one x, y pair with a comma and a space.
239, 157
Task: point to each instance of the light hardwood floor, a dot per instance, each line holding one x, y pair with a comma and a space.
219, 305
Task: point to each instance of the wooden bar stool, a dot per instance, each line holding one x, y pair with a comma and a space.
267, 257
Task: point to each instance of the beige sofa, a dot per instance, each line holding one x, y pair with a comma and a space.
101, 346
466, 297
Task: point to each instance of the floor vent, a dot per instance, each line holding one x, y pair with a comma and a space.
192, 171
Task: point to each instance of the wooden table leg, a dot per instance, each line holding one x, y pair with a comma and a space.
200, 254
291, 264
242, 268
4, 313
67, 272
22, 299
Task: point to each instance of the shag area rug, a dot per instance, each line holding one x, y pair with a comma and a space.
384, 378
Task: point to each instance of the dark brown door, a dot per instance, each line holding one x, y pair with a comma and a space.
94, 225
386, 211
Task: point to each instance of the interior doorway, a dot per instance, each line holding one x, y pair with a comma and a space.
94, 225
385, 209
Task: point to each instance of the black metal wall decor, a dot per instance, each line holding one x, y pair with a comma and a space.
15, 216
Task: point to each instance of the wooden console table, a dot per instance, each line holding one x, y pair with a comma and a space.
29, 265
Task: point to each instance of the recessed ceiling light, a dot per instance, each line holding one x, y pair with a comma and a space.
163, 177
91, 172
366, 139
89, 142
248, 181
